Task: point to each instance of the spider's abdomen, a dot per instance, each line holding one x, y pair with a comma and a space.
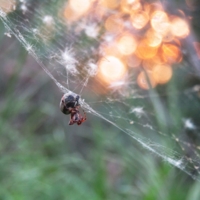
67, 103
68, 99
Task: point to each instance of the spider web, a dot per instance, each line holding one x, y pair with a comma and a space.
69, 51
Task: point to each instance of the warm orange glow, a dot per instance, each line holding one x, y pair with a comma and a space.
7, 5
160, 22
69, 14
111, 4
111, 69
110, 50
147, 7
149, 64
168, 37
144, 51
162, 73
139, 20
154, 39
137, 33
136, 7
145, 80
80, 7
152, 7
177, 42
171, 53
197, 48
97, 11
114, 23
129, 6
179, 27
126, 44
133, 61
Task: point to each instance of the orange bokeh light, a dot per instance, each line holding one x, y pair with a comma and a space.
154, 39
111, 4
126, 44
156, 47
179, 27
145, 80
139, 20
80, 7
129, 6
133, 61
111, 69
149, 64
114, 23
7, 5
162, 73
152, 7
160, 22
144, 51
69, 14
168, 37
171, 53
110, 50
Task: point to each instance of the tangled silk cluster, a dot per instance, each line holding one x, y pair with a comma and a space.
137, 35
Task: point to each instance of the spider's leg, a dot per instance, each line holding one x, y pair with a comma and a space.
84, 118
72, 121
79, 122
76, 117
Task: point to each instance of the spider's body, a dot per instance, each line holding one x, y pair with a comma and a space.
70, 105
67, 103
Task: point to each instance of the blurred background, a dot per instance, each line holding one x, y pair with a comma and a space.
42, 157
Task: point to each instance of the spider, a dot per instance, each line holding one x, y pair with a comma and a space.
70, 105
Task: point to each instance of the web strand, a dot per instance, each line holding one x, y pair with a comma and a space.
70, 62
